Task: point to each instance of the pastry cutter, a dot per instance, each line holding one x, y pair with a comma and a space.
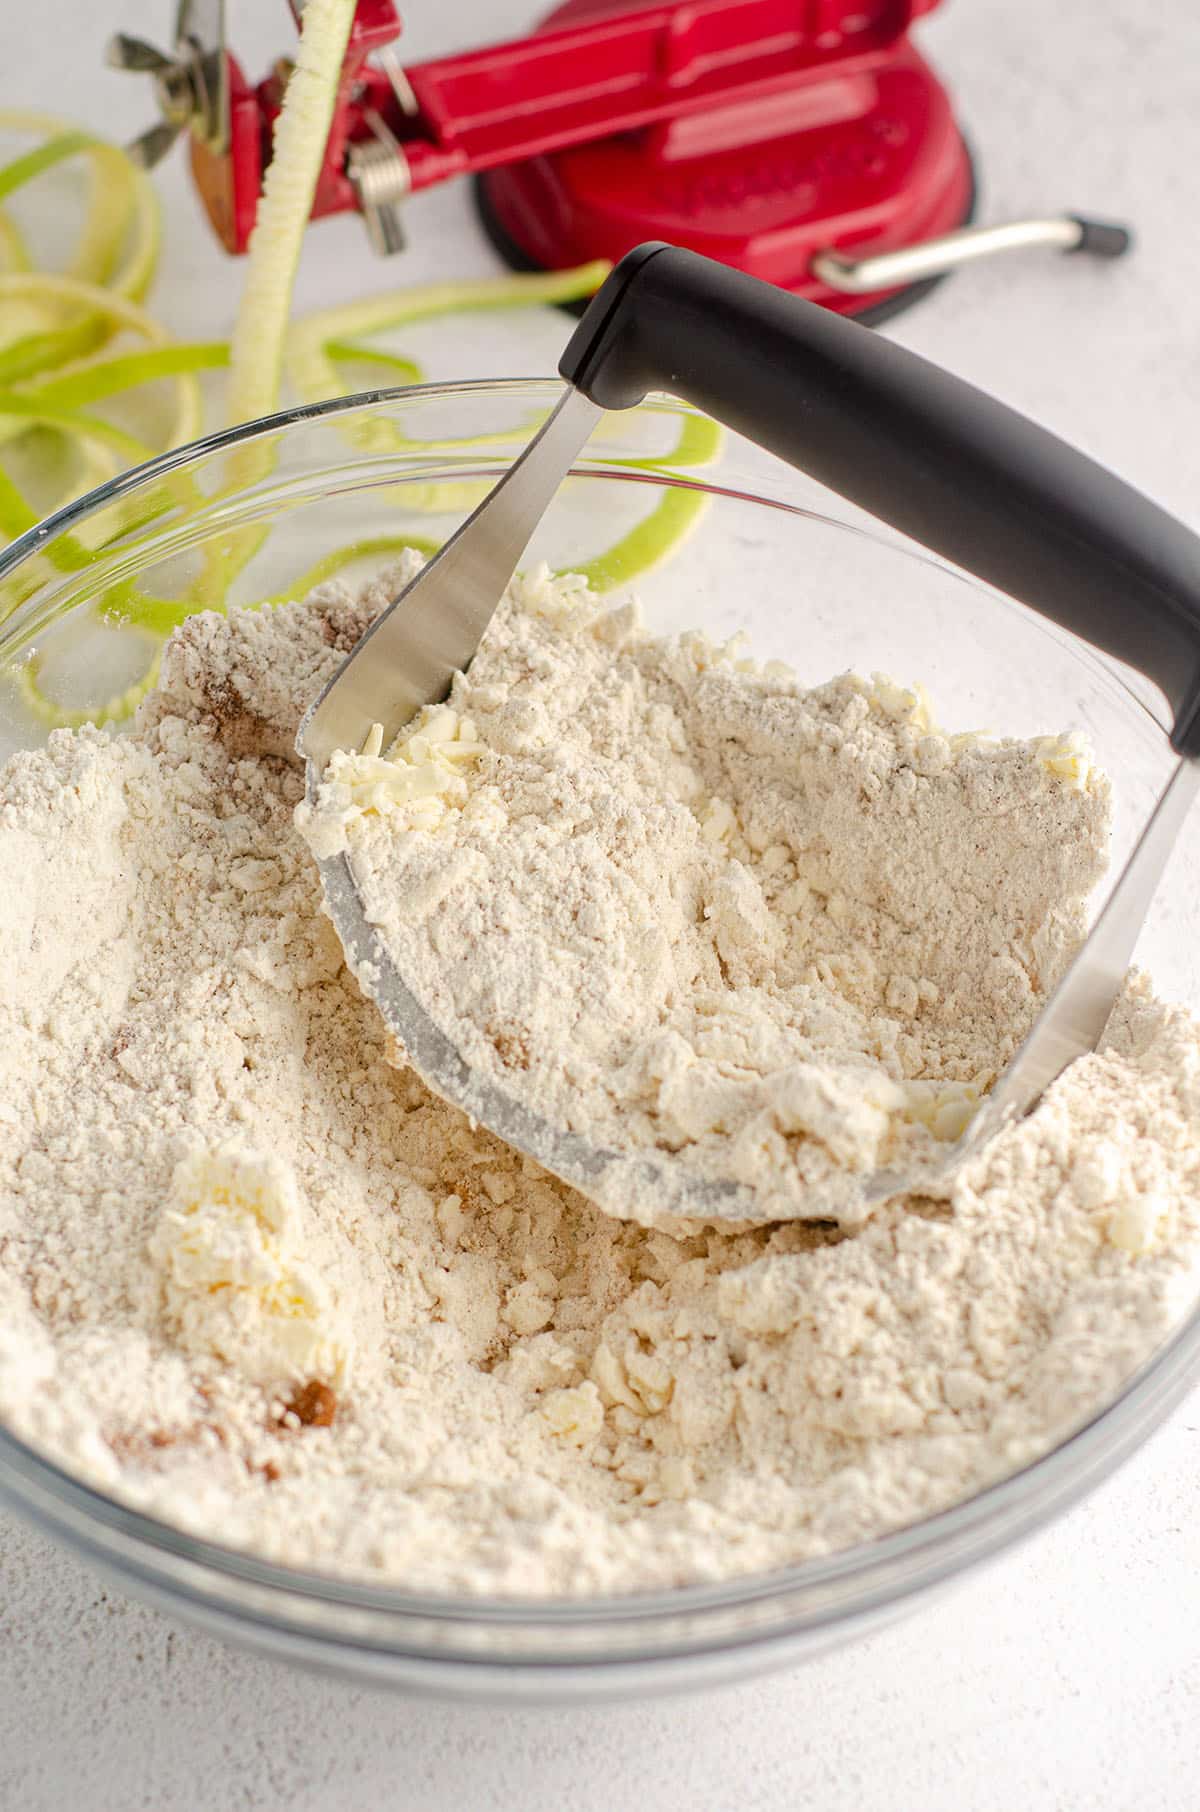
915, 446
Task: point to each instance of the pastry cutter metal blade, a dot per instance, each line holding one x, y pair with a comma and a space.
920, 449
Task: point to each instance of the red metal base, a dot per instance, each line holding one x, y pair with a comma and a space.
863, 160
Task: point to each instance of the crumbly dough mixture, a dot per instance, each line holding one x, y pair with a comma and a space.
255, 1279
674, 902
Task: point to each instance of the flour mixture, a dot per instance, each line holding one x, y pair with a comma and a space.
256, 1280
674, 903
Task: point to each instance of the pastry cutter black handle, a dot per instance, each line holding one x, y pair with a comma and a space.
921, 449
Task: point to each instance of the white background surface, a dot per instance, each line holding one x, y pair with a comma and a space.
1068, 1674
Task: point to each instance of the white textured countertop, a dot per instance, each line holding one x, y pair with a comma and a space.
1067, 1675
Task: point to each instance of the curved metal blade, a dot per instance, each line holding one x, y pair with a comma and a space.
411, 653
1073, 1020
200, 24
200, 45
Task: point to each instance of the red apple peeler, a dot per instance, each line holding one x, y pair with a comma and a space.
807, 142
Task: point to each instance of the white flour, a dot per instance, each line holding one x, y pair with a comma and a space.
669, 901
218, 1199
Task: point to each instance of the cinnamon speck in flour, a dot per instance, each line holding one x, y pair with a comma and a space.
257, 1280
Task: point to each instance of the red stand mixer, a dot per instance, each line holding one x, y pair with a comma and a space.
805, 141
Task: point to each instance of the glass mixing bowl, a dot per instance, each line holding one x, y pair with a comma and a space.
263, 510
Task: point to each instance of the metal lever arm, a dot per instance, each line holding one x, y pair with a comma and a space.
934, 257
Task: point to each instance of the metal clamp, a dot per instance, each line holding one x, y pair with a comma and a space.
933, 257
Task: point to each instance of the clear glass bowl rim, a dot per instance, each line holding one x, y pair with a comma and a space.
849, 1588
